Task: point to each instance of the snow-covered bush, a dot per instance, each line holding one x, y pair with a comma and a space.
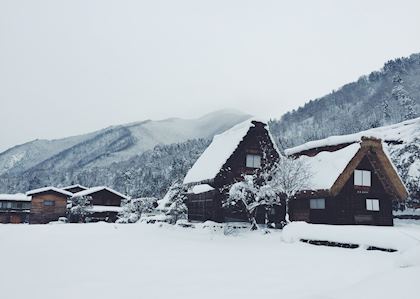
78, 208
132, 209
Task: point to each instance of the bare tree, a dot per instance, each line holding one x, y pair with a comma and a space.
287, 177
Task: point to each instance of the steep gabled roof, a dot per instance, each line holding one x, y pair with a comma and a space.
96, 189
219, 151
47, 189
326, 167
331, 169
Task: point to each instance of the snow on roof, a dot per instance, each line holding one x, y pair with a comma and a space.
198, 189
218, 152
104, 209
404, 131
46, 189
15, 197
75, 186
326, 167
97, 189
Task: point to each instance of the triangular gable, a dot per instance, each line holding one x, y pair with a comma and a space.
390, 179
332, 169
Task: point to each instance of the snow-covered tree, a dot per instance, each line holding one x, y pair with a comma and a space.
79, 208
401, 95
251, 193
174, 202
287, 177
133, 208
386, 112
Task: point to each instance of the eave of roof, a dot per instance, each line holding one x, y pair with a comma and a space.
46, 189
98, 189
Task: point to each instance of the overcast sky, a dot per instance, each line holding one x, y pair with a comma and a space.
70, 67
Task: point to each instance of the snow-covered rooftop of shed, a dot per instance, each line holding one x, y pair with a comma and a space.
15, 197
198, 189
218, 152
46, 189
75, 186
404, 131
97, 189
326, 167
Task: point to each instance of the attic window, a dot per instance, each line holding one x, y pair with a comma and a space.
372, 204
253, 161
362, 178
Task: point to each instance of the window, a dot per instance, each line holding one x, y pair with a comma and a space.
372, 204
253, 161
317, 203
362, 178
49, 203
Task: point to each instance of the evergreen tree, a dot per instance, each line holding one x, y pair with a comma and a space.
79, 208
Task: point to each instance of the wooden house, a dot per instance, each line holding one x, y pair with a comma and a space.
247, 148
48, 204
75, 188
352, 182
14, 208
106, 203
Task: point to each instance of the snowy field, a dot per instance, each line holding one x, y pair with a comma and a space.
146, 261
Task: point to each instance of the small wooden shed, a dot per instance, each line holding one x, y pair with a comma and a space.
48, 204
106, 203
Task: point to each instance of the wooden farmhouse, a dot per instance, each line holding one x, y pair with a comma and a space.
75, 188
14, 208
47, 204
352, 182
247, 148
106, 203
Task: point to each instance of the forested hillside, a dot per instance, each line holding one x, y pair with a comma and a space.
383, 97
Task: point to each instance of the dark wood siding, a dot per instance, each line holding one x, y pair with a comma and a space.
349, 205
106, 198
41, 213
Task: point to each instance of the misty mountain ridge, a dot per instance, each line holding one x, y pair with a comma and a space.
113, 144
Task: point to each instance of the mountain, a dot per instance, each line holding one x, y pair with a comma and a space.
383, 97
32, 164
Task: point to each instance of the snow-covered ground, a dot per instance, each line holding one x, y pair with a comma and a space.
147, 261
